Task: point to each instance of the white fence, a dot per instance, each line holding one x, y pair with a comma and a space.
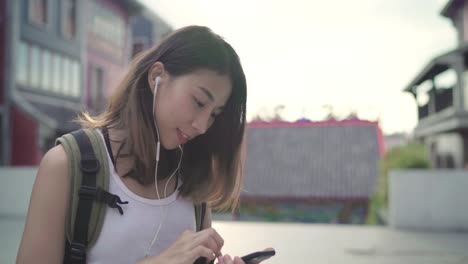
15, 190
429, 199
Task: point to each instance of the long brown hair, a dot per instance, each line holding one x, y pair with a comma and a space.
212, 163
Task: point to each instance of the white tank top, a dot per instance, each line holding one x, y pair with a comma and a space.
126, 238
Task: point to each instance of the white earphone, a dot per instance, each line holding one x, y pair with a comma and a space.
158, 146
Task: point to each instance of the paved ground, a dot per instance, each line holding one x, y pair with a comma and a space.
311, 243
294, 243
298, 243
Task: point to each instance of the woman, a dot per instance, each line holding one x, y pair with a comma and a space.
182, 103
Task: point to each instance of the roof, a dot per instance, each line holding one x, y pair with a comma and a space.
312, 159
436, 66
132, 6
450, 7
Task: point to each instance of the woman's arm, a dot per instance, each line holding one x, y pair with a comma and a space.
43, 238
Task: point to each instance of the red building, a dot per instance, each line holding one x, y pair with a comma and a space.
3, 103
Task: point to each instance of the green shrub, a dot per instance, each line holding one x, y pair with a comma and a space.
410, 156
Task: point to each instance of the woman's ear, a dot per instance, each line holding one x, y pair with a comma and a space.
157, 69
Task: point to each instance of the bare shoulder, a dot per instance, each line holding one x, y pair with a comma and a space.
53, 173
44, 231
55, 158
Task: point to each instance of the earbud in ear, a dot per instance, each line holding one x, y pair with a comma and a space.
156, 81
156, 84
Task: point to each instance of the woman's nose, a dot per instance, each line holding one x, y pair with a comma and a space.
202, 122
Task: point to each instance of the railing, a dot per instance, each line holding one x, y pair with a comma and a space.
440, 98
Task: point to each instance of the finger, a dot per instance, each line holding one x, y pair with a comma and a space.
227, 259
238, 260
211, 244
210, 238
207, 241
188, 233
219, 240
211, 232
201, 251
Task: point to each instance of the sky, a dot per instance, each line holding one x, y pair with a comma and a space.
311, 56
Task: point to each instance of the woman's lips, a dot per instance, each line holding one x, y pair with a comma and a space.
182, 137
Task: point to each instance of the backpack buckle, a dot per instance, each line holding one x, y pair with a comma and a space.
89, 165
77, 252
87, 192
110, 199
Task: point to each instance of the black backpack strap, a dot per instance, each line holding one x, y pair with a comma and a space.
202, 217
88, 194
200, 211
89, 166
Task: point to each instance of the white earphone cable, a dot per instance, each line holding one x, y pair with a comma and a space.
158, 146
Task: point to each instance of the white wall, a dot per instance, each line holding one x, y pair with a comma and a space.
429, 199
15, 190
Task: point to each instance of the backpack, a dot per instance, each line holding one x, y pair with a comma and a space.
88, 171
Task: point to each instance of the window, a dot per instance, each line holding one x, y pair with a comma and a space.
108, 25
139, 45
75, 79
38, 12
97, 89
46, 71
22, 64
34, 76
65, 82
465, 90
57, 70
137, 48
69, 18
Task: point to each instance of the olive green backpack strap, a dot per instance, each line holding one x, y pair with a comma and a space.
89, 181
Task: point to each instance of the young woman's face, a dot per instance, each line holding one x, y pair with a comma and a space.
187, 105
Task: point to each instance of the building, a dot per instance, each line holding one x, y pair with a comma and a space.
57, 58
3, 62
148, 29
441, 92
42, 75
108, 48
310, 171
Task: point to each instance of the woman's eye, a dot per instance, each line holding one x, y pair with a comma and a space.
198, 102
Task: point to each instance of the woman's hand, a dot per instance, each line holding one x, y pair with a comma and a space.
189, 247
226, 259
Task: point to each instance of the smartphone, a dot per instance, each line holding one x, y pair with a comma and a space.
258, 256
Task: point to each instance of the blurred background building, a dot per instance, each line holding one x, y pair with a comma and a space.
320, 172
441, 90
58, 58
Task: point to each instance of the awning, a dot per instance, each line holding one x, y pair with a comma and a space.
436, 66
55, 113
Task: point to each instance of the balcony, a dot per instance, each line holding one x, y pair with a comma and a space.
446, 108
440, 99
